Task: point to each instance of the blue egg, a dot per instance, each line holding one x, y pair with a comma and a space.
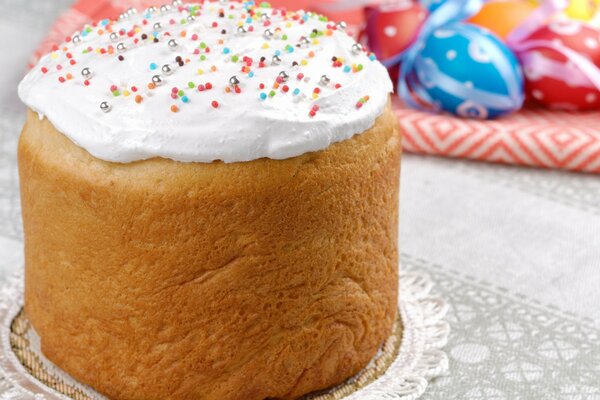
468, 71
431, 5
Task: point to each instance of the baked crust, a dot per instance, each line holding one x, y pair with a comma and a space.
166, 280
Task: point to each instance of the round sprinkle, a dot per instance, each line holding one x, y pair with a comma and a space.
157, 80
138, 99
153, 66
304, 42
174, 108
214, 104
86, 72
234, 81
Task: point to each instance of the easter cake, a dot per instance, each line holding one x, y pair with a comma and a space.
210, 203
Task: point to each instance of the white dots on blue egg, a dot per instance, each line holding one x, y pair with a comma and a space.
478, 53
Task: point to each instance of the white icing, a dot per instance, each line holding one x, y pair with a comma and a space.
243, 127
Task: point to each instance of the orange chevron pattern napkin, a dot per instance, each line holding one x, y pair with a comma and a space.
532, 137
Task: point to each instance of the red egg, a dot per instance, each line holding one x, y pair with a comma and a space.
554, 81
393, 26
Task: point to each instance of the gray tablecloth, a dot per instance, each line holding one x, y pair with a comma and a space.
516, 252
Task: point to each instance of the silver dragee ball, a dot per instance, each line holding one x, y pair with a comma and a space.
284, 76
105, 107
357, 48
233, 81
304, 42
157, 80
173, 44
86, 72
167, 70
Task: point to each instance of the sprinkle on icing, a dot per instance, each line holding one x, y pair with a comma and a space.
178, 53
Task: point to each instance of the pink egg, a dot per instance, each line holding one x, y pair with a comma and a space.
551, 79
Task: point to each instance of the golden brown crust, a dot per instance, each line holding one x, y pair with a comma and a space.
167, 280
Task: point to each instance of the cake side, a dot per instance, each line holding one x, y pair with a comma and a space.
161, 279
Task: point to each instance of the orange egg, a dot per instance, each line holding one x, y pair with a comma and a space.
503, 16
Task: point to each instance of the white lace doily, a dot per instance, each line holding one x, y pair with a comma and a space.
418, 358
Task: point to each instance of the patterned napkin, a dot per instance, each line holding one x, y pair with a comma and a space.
538, 138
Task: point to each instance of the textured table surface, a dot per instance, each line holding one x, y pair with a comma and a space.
516, 252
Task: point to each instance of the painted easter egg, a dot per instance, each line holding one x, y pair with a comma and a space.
554, 80
469, 72
502, 17
391, 27
583, 10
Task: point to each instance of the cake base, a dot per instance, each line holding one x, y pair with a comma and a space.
166, 280
416, 357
